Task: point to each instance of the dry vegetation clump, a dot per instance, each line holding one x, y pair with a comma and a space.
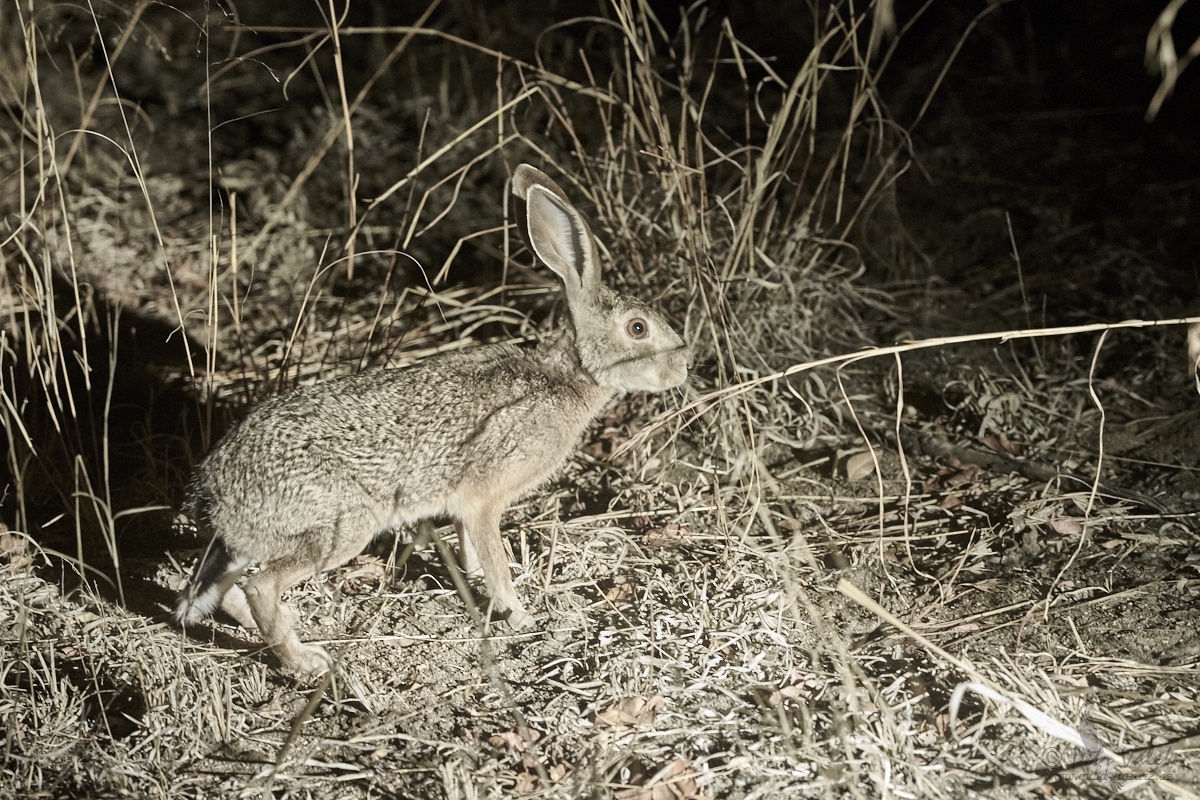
204, 205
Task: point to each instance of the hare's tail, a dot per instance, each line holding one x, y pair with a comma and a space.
219, 567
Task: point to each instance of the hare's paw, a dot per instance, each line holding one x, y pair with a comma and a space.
309, 659
519, 619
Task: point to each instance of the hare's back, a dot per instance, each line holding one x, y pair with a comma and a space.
331, 443
412, 433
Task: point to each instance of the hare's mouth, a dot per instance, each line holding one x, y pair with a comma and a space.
655, 372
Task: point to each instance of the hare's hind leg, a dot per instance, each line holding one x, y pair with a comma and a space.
344, 539
263, 594
211, 583
480, 526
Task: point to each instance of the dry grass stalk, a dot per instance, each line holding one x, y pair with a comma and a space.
1162, 57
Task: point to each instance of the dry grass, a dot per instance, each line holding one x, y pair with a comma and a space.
1163, 58
758, 594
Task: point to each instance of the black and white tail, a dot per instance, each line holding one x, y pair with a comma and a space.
219, 567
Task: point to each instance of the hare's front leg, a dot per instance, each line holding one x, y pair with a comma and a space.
263, 591
467, 555
480, 541
234, 604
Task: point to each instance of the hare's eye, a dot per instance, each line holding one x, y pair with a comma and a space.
637, 328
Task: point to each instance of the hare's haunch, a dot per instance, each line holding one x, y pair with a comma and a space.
305, 481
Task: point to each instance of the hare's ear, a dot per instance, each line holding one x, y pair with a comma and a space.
555, 233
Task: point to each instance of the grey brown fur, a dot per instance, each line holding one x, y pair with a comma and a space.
305, 481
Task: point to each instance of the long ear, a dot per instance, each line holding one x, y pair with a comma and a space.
556, 234
526, 176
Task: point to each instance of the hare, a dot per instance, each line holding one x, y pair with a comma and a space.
308, 478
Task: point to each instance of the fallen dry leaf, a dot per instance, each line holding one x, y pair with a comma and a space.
967, 473
631, 711
956, 474
512, 739
859, 466
1002, 444
1067, 526
675, 781
620, 592
666, 536
526, 782
369, 571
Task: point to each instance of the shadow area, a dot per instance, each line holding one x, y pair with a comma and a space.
103, 425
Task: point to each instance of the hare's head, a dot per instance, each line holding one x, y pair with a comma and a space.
622, 342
